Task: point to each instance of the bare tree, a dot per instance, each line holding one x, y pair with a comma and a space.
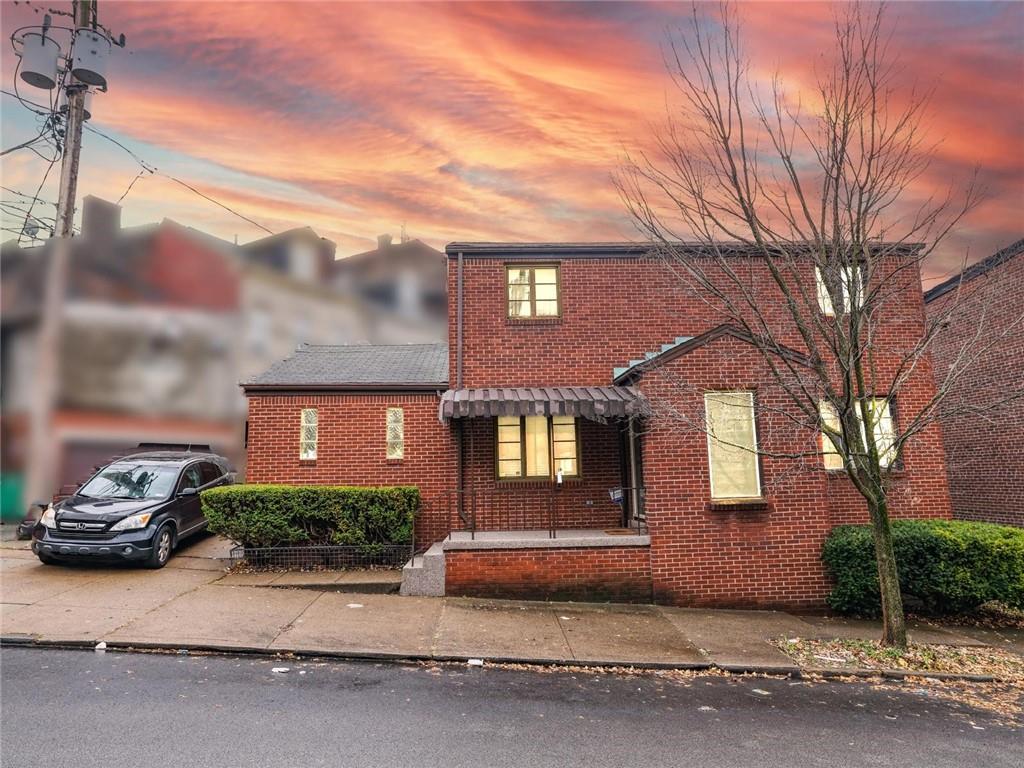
825, 199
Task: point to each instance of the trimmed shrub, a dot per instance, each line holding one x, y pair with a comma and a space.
945, 566
288, 515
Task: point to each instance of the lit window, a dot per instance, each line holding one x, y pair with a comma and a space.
732, 445
845, 289
308, 433
884, 429
537, 447
830, 452
532, 291
395, 433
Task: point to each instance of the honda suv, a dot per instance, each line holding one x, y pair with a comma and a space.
137, 508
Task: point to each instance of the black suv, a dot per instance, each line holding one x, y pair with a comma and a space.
136, 508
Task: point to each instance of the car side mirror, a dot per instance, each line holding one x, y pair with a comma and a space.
188, 492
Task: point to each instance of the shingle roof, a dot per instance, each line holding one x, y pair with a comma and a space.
975, 270
358, 366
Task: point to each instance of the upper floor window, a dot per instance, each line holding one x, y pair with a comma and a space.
308, 428
537, 447
532, 291
884, 428
732, 445
846, 290
395, 433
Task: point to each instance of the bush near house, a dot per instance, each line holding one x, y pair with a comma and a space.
945, 566
285, 515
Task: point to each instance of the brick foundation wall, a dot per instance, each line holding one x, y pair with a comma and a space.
351, 447
983, 454
615, 574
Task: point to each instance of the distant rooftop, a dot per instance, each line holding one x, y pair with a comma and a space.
975, 270
358, 366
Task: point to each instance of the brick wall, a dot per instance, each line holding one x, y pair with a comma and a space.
766, 555
983, 454
617, 574
351, 447
521, 504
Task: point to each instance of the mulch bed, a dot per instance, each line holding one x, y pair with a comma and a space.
868, 654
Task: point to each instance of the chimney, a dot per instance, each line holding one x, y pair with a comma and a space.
101, 219
383, 241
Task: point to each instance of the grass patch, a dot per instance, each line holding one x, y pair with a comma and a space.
868, 654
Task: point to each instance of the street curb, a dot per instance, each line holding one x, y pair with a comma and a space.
793, 672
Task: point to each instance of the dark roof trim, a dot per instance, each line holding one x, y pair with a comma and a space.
513, 251
721, 331
548, 250
975, 270
352, 389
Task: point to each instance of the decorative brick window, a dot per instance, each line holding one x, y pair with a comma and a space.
537, 447
308, 429
880, 409
395, 433
532, 291
732, 446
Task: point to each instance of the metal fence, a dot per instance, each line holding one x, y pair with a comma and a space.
317, 557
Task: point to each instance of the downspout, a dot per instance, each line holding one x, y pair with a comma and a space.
460, 482
458, 324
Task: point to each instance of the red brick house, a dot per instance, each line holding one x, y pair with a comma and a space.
548, 460
986, 468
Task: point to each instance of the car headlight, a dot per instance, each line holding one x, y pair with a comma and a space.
132, 523
49, 517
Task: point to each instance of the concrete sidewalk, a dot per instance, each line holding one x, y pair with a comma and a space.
193, 603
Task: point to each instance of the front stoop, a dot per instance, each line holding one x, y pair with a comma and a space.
423, 576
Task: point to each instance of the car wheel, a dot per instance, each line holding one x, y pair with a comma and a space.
163, 543
46, 559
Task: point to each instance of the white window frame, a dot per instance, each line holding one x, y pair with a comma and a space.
887, 454
308, 417
711, 439
394, 446
825, 301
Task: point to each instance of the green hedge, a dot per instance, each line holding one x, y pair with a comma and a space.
945, 566
283, 515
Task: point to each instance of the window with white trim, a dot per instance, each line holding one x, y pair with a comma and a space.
884, 432
308, 429
395, 433
537, 447
732, 445
845, 290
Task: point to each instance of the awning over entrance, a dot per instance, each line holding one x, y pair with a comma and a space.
594, 403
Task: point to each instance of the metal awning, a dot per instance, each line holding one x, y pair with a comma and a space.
594, 403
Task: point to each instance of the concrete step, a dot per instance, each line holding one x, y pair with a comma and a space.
423, 575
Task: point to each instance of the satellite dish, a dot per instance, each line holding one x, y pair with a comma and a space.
39, 55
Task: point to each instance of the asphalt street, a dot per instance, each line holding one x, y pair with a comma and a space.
84, 709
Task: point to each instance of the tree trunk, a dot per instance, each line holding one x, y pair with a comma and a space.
894, 626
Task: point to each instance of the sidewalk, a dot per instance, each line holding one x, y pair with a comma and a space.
193, 603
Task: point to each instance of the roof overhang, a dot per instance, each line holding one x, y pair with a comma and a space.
593, 403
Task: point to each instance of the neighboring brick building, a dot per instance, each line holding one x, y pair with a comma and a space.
546, 470
983, 457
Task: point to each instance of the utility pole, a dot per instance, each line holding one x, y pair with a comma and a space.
85, 16
43, 457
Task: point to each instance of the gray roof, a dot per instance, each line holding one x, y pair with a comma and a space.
358, 366
975, 270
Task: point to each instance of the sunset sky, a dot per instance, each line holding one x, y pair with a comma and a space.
490, 121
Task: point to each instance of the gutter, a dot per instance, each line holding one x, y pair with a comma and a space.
284, 389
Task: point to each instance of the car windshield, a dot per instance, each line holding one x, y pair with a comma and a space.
131, 481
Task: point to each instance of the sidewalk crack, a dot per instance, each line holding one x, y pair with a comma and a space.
298, 616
